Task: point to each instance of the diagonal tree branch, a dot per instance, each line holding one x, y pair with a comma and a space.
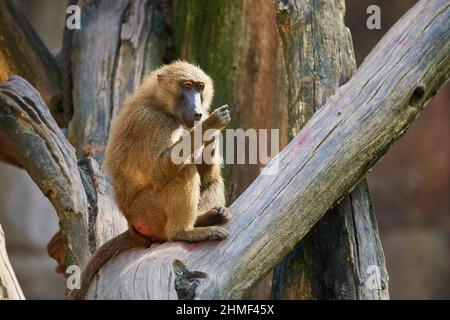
23, 53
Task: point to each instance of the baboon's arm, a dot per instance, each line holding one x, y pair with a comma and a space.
209, 171
166, 168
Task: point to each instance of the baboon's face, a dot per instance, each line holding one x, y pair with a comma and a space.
184, 91
190, 102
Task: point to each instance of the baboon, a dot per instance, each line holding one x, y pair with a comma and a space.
161, 199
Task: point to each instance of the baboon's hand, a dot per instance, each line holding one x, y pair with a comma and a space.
219, 119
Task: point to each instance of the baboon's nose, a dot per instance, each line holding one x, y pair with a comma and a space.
197, 116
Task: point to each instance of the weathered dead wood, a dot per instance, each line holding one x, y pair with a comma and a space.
119, 43
30, 136
328, 158
105, 69
9, 286
23, 53
332, 260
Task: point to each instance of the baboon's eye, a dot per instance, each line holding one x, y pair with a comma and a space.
200, 86
187, 84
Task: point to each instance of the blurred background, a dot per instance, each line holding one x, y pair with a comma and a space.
410, 185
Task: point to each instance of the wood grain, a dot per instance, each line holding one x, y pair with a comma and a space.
77, 189
31, 137
119, 43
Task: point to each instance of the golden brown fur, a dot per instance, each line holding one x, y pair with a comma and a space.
162, 200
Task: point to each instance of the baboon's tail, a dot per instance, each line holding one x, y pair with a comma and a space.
124, 241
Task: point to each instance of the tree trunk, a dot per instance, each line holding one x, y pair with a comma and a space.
119, 43
235, 42
333, 259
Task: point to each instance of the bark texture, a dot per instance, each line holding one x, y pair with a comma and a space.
105, 69
119, 43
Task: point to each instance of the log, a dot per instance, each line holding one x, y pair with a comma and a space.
119, 43
9, 286
325, 161
23, 53
332, 260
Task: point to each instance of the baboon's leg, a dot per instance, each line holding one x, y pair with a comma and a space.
214, 216
201, 234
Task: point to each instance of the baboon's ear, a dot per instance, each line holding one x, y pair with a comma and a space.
161, 76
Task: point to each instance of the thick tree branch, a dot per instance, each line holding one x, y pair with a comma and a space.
30, 136
23, 53
329, 157
9, 286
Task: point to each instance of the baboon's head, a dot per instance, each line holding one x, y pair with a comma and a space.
185, 91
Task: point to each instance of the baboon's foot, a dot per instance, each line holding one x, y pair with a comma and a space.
199, 234
215, 216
